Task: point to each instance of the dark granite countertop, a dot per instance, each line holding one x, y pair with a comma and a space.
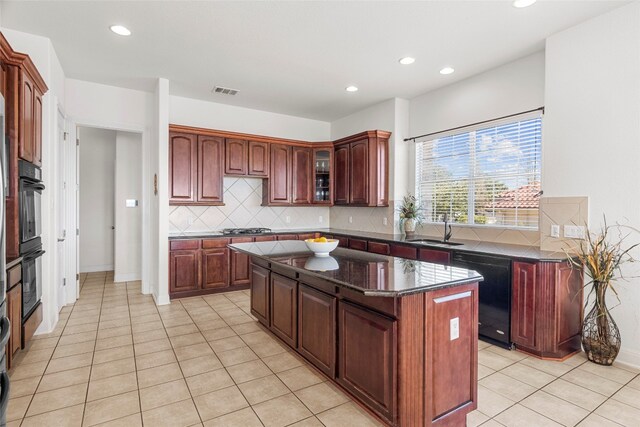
531, 253
370, 274
13, 261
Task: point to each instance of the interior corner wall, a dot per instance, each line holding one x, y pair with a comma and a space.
128, 219
591, 137
97, 195
160, 214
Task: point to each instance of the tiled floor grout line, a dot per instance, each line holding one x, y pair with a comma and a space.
133, 345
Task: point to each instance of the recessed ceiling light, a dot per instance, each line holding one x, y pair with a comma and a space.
120, 30
447, 70
407, 60
351, 89
523, 3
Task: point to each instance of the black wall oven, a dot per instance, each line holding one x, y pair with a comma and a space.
31, 188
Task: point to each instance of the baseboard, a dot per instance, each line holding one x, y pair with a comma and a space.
126, 277
96, 268
630, 358
161, 300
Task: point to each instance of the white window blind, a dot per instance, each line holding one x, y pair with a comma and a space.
484, 175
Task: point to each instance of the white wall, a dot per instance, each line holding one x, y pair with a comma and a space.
159, 165
44, 57
592, 136
128, 220
97, 195
511, 88
192, 112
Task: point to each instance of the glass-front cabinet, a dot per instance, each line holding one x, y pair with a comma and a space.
323, 175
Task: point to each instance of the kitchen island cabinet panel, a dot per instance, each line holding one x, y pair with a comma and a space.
284, 308
367, 357
317, 328
260, 285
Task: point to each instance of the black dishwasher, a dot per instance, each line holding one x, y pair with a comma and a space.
494, 312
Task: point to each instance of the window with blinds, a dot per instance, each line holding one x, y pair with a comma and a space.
488, 175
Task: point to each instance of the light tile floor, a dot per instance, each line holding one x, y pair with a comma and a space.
116, 359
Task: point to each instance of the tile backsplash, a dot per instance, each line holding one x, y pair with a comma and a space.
243, 198
364, 219
561, 211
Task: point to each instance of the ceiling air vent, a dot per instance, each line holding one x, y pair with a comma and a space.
225, 90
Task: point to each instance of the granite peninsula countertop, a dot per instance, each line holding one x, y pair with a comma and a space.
370, 274
530, 253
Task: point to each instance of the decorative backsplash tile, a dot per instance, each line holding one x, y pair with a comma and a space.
364, 219
484, 234
243, 198
561, 211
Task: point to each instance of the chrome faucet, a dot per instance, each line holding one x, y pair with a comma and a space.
447, 228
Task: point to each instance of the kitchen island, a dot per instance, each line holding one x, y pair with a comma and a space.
399, 335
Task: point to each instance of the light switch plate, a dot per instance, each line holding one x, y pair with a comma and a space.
320, 219
350, 220
555, 230
454, 328
131, 203
287, 219
384, 221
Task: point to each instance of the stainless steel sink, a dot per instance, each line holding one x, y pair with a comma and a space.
433, 242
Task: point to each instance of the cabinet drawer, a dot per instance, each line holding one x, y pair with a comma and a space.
176, 245
343, 242
404, 251
29, 327
379, 248
214, 243
434, 255
358, 244
265, 238
14, 276
287, 237
307, 236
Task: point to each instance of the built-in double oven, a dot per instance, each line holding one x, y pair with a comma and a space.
30, 196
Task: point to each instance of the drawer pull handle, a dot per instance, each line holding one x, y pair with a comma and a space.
452, 297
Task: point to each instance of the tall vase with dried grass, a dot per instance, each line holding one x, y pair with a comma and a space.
602, 256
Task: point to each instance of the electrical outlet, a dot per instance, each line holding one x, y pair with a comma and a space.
320, 219
350, 220
189, 220
574, 231
287, 219
454, 328
384, 221
555, 230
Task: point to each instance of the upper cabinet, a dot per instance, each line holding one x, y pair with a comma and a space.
30, 112
195, 169
322, 176
258, 159
362, 169
246, 158
301, 175
277, 190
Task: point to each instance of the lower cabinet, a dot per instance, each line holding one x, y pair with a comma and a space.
523, 304
184, 271
317, 328
434, 255
240, 265
284, 308
366, 351
215, 267
260, 294
14, 313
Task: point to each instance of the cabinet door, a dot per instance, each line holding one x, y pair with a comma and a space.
280, 174
184, 271
260, 294
359, 172
210, 176
215, 268
27, 98
235, 157
301, 175
14, 313
183, 165
523, 304
258, 159
284, 313
37, 127
317, 328
367, 356
341, 174
240, 264
434, 255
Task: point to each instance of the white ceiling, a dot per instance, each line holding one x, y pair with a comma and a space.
292, 57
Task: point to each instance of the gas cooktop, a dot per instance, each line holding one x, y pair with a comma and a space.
246, 230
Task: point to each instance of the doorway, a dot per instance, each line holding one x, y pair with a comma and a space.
110, 212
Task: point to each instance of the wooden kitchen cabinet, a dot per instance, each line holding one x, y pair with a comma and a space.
322, 176
260, 291
362, 169
215, 268
523, 304
283, 308
184, 271
240, 264
195, 169
379, 248
278, 186
258, 159
14, 311
317, 328
301, 175
367, 357
236, 157
434, 255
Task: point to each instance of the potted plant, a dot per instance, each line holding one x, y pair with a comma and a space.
601, 256
410, 214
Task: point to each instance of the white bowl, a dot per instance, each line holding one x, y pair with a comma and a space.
321, 263
321, 248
